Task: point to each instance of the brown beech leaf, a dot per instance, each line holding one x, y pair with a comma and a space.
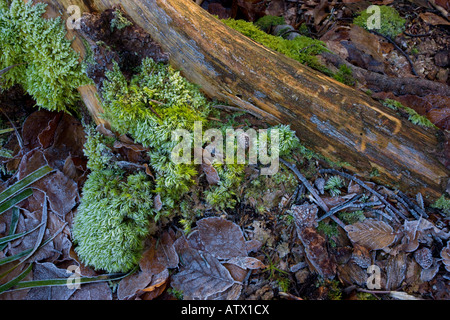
317, 253
395, 271
202, 275
433, 19
445, 255
372, 234
305, 215
222, 238
132, 285
212, 176
247, 263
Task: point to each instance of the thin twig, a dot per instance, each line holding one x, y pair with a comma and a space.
340, 207
307, 184
413, 70
19, 139
362, 184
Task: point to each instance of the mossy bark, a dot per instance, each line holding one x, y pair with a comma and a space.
329, 117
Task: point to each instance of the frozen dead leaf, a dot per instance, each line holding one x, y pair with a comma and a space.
130, 286
104, 130
156, 287
47, 270
351, 274
202, 275
212, 176
247, 263
433, 19
361, 256
320, 185
252, 245
445, 255
316, 252
93, 291
419, 231
428, 274
305, 215
157, 203
222, 238
231, 293
159, 255
424, 258
372, 234
61, 191
395, 271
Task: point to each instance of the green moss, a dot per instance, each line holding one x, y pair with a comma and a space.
156, 102
112, 219
333, 185
443, 203
391, 24
345, 75
267, 22
47, 67
119, 21
302, 49
413, 116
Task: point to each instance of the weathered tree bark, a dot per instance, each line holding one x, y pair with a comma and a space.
330, 118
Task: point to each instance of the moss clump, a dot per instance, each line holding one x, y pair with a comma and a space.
149, 108
443, 203
119, 21
266, 23
413, 116
302, 49
112, 219
47, 67
391, 24
345, 75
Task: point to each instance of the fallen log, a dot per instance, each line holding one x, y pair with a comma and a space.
330, 118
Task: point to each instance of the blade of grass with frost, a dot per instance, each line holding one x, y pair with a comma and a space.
63, 282
12, 237
16, 280
25, 182
6, 130
25, 253
11, 202
13, 224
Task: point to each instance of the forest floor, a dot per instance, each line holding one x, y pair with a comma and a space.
378, 244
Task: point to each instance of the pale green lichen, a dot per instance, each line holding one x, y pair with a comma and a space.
47, 67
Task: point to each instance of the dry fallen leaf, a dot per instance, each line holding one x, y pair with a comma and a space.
212, 176
433, 19
445, 255
305, 215
202, 275
222, 238
247, 262
372, 234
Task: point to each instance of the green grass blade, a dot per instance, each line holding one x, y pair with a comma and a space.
16, 280
25, 182
13, 225
6, 130
12, 237
63, 282
11, 202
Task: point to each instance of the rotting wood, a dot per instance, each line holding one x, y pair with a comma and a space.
330, 118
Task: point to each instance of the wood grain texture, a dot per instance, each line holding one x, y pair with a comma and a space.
330, 118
